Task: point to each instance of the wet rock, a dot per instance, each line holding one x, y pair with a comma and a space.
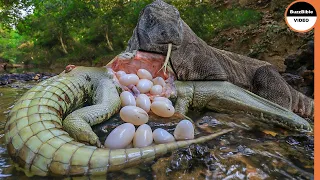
28, 76
307, 142
161, 171
46, 77
103, 129
299, 72
188, 158
294, 80
4, 79
244, 150
304, 56
208, 121
307, 75
307, 90
48, 74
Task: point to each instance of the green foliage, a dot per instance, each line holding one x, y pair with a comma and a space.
10, 41
58, 31
217, 20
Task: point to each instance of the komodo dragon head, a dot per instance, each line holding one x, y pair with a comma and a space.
159, 24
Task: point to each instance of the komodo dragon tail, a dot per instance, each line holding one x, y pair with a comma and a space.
39, 146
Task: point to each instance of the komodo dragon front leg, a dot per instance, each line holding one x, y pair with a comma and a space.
222, 96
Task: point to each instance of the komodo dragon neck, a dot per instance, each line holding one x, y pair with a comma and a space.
239, 69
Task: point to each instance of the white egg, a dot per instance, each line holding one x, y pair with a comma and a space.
143, 136
120, 137
144, 85
143, 101
156, 90
162, 109
134, 115
120, 73
159, 81
161, 136
128, 79
127, 99
184, 130
144, 74
162, 99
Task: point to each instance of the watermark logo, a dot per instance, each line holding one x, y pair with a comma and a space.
300, 16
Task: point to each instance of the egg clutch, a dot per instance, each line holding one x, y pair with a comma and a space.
145, 89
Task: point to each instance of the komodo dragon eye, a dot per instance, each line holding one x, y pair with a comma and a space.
150, 21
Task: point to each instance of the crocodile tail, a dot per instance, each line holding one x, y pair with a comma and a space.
106, 160
52, 151
34, 133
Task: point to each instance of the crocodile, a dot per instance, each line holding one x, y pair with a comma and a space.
48, 132
160, 24
46, 136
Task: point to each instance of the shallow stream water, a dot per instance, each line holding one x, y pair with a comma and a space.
252, 151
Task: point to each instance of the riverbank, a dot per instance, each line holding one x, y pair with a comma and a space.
6, 79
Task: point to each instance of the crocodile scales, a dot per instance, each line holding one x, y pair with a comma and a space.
36, 136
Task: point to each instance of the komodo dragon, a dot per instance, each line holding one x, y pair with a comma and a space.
36, 130
192, 59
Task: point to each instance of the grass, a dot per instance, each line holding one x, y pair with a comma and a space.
215, 21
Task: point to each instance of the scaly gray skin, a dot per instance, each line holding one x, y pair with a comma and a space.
192, 59
36, 136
